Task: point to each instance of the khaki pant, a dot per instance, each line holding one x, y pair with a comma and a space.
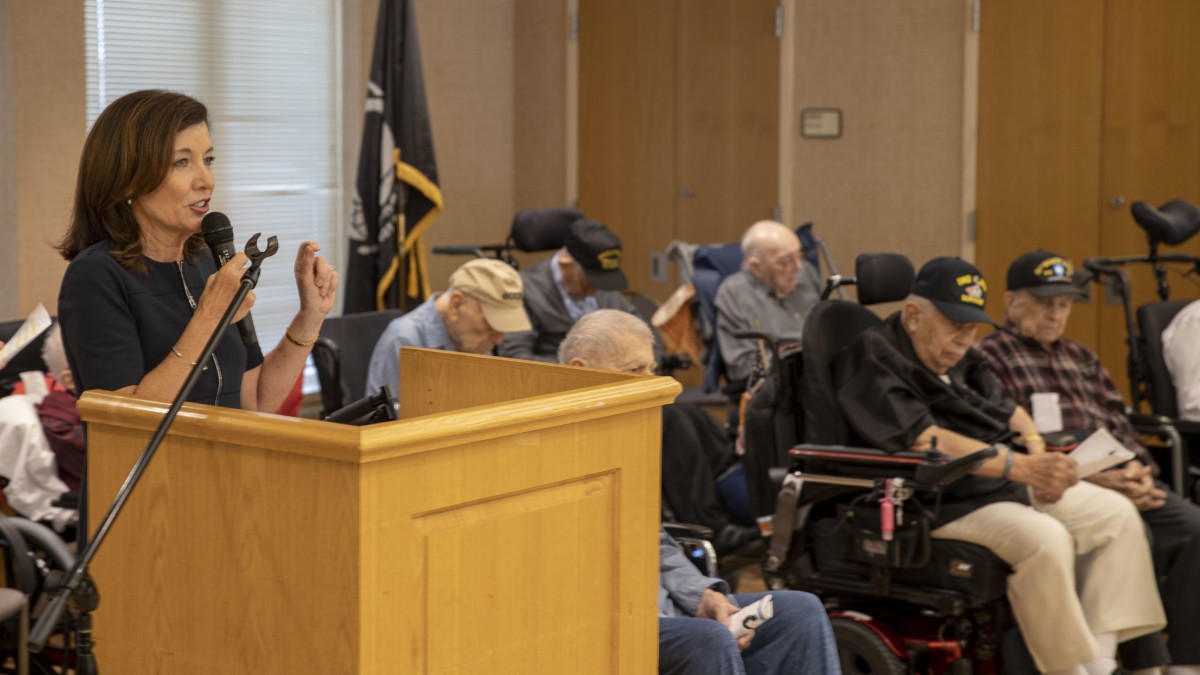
1081, 567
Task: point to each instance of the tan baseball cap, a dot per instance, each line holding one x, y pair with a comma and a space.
498, 288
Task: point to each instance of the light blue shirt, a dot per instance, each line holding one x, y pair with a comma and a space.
680, 584
576, 308
421, 327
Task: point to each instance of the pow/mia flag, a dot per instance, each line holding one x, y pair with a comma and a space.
396, 195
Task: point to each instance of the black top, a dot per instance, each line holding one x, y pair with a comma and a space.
118, 326
889, 397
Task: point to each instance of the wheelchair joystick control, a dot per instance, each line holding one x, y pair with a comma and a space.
751, 616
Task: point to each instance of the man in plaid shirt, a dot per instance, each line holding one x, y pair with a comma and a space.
1043, 370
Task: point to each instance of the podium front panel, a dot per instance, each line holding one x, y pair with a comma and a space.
508, 556
226, 559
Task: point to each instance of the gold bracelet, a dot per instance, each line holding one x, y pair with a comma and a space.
287, 332
1033, 437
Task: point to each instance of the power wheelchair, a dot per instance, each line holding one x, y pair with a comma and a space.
852, 525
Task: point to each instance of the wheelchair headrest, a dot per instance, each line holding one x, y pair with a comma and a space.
808, 243
724, 259
542, 229
1172, 223
883, 277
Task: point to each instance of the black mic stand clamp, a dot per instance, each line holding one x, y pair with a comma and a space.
75, 586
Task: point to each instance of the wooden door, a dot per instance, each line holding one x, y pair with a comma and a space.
1040, 92
726, 118
1151, 145
626, 126
678, 122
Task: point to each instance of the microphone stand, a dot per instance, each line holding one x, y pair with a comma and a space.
75, 587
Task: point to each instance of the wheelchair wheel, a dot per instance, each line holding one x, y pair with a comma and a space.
862, 651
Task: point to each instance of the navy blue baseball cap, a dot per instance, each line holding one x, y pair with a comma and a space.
955, 287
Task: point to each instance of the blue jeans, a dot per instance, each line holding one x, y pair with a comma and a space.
797, 639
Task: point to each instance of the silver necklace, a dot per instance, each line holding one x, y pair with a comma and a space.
216, 363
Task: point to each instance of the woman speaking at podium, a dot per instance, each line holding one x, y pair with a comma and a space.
142, 296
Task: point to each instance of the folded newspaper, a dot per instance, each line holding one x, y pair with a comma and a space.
35, 325
1098, 452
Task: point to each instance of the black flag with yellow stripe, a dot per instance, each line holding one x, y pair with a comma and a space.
396, 194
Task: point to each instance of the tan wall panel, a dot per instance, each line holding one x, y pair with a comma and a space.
467, 49
48, 127
627, 99
540, 104
893, 181
9, 270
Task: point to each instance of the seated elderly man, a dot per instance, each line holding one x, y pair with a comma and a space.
695, 450
581, 277
772, 293
1183, 359
1082, 579
1035, 363
482, 304
693, 609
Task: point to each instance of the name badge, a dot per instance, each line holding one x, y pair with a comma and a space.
1047, 413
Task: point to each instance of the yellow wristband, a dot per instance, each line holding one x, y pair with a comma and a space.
1033, 437
287, 332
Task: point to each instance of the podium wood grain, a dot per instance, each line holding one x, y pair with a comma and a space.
507, 523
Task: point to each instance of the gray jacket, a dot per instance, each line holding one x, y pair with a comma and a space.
549, 316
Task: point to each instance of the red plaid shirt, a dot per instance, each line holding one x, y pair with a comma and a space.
1086, 393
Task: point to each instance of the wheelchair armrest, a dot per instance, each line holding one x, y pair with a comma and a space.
928, 469
1149, 423
1158, 424
842, 460
696, 541
688, 530
948, 472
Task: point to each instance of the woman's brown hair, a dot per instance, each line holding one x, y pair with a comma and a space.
126, 155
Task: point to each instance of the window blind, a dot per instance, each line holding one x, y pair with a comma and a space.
268, 71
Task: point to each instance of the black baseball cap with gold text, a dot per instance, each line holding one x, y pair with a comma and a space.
598, 251
955, 287
1044, 274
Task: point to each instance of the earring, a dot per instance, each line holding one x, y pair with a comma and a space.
129, 202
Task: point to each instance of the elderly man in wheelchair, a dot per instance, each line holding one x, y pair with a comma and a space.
1081, 576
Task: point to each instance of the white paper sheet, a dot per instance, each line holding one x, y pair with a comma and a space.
1098, 452
38, 321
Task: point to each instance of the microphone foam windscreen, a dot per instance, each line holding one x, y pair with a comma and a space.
216, 227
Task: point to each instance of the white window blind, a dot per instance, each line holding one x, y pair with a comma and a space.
268, 71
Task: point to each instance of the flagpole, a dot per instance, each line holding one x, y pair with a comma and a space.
401, 280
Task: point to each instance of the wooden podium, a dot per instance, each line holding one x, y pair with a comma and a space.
507, 523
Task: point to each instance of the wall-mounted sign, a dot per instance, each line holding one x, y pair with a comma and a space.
821, 123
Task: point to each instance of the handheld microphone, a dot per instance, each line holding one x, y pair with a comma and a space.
218, 234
